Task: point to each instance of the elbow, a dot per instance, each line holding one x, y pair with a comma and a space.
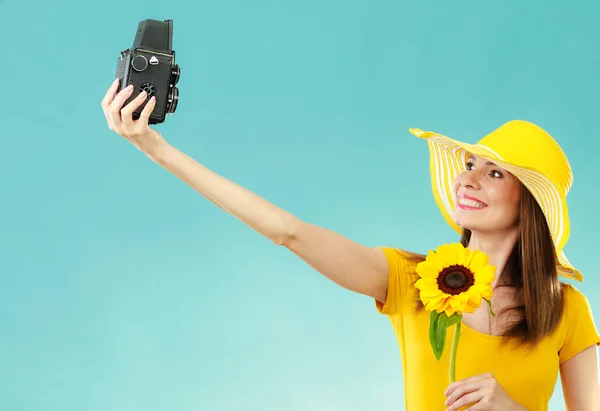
286, 231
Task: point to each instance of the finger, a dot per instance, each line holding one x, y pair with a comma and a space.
117, 104
463, 389
110, 94
469, 399
147, 110
108, 97
454, 385
127, 111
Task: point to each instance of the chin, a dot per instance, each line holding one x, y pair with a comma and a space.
472, 224
468, 222
464, 226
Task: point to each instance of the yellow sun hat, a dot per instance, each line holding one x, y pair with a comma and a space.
525, 150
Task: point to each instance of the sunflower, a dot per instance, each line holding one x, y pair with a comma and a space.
454, 279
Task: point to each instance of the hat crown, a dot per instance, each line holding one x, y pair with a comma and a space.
527, 145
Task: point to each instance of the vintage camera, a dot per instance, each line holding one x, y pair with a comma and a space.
150, 65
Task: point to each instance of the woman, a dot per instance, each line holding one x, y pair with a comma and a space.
507, 362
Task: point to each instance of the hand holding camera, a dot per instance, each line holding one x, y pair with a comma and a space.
144, 91
120, 119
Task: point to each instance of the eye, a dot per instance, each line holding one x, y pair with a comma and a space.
496, 174
469, 165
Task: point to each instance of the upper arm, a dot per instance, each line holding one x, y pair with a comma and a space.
581, 381
351, 265
578, 354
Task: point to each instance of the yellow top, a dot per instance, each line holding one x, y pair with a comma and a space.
528, 376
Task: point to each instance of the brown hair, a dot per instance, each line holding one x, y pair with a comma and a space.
531, 270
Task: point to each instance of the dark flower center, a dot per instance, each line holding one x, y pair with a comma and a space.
455, 279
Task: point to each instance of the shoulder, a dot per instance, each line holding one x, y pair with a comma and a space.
402, 257
575, 301
401, 262
401, 277
579, 329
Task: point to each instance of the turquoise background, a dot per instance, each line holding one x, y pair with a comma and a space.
123, 289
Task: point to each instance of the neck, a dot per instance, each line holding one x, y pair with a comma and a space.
497, 246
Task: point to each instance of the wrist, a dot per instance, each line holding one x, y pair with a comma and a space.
160, 152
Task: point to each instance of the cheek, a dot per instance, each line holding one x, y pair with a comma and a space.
511, 198
517, 203
500, 196
456, 184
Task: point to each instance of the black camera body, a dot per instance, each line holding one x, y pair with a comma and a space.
149, 65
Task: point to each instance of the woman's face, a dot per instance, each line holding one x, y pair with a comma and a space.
488, 197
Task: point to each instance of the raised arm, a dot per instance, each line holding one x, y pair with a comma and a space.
347, 263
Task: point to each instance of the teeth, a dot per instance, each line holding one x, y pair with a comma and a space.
470, 203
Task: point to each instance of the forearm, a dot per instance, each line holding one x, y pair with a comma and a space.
259, 214
359, 268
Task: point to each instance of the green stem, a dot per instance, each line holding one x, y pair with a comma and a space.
453, 352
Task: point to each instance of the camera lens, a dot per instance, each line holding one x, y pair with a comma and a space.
173, 100
175, 74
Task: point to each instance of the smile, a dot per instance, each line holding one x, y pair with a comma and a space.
469, 203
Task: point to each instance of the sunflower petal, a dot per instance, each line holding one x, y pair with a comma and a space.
440, 305
427, 294
433, 259
459, 253
470, 309
459, 303
485, 275
427, 270
427, 284
478, 260
450, 311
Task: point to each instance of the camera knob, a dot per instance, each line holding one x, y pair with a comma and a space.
139, 63
149, 88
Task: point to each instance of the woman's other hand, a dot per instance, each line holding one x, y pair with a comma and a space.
482, 392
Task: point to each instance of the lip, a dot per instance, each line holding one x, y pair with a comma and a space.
464, 207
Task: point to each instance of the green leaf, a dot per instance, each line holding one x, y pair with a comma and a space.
454, 319
438, 327
490, 305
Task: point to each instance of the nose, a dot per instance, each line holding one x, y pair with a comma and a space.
470, 179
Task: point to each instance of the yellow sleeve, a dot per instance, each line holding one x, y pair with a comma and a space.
581, 331
401, 276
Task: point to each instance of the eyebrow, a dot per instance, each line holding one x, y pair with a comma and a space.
487, 163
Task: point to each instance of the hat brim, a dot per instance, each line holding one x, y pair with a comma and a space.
447, 161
